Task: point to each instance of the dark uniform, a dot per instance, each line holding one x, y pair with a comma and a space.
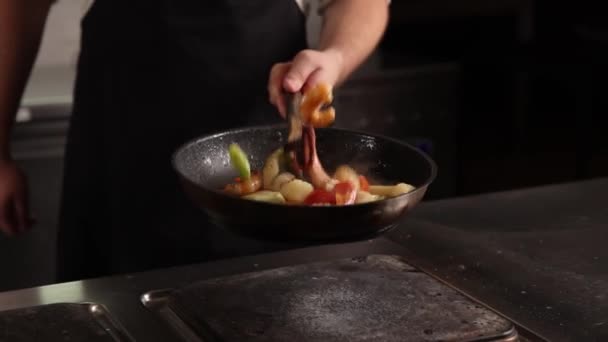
153, 74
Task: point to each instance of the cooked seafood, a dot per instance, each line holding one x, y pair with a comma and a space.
313, 185
315, 107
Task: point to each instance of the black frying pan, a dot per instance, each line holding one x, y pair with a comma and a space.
204, 168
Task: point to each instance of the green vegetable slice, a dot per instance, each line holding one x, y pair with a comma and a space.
239, 161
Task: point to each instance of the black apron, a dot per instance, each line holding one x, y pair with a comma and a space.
152, 75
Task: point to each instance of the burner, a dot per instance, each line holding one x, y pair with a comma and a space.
375, 298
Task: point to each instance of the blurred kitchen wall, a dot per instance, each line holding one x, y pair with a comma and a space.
61, 38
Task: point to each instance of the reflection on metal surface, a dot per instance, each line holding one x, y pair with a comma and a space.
108, 323
156, 301
89, 322
56, 294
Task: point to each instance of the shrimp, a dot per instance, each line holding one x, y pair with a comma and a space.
312, 165
316, 106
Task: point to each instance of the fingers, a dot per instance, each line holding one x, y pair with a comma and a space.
275, 88
13, 199
304, 64
308, 68
314, 78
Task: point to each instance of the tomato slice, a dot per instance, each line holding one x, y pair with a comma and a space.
345, 193
363, 183
319, 196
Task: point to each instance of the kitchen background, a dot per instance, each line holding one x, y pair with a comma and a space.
503, 94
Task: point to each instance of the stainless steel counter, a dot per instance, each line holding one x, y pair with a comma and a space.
121, 294
537, 256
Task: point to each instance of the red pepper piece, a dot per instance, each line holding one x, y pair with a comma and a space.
363, 183
345, 193
319, 196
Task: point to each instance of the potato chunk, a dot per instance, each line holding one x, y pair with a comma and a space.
280, 180
271, 168
390, 191
365, 197
266, 196
296, 191
345, 173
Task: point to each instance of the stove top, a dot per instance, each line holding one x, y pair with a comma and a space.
373, 298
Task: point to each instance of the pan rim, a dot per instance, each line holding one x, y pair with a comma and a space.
209, 136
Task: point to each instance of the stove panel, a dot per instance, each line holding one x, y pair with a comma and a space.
374, 298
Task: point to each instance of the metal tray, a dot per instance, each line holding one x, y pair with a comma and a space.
89, 322
378, 297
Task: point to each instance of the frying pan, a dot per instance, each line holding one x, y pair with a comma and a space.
203, 167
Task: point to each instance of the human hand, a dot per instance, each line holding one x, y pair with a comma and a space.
14, 210
308, 68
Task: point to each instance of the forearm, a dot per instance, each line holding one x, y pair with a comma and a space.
21, 26
352, 29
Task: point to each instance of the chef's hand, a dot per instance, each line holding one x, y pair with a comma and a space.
14, 211
308, 68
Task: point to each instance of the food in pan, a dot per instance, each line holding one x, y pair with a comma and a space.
285, 179
276, 184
